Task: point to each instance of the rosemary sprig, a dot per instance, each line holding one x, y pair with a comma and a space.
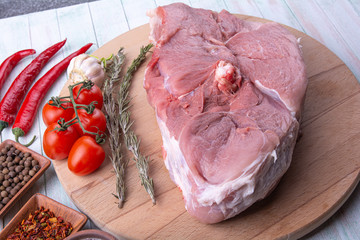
131, 141
113, 69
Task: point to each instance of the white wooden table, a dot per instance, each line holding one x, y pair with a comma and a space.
335, 23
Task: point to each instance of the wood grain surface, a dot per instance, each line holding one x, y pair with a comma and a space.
324, 171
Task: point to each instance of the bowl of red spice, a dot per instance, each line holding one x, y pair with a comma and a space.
43, 218
92, 234
20, 168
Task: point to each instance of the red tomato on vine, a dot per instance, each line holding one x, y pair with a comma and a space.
51, 114
58, 143
85, 156
93, 122
87, 96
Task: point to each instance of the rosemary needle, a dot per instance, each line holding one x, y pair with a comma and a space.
113, 70
131, 141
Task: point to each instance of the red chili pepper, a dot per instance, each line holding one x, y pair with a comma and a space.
11, 102
26, 115
8, 65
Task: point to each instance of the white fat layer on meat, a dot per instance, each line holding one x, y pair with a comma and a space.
217, 193
274, 94
254, 184
274, 155
174, 161
299, 44
166, 85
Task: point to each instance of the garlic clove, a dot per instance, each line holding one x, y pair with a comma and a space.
85, 67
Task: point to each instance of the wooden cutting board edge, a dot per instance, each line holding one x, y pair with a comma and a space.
353, 182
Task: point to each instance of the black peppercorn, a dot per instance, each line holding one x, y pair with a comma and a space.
17, 159
5, 200
16, 180
27, 178
6, 183
36, 168
34, 162
25, 172
4, 194
19, 168
13, 191
32, 172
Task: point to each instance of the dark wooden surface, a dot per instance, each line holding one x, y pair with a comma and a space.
10, 8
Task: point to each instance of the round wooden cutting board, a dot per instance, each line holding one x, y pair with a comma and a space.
323, 173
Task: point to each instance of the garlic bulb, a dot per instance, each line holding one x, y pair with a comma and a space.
84, 67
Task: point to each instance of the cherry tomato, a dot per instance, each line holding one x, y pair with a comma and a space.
87, 96
85, 156
56, 143
51, 114
91, 122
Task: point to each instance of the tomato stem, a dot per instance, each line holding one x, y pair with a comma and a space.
58, 102
87, 84
69, 123
88, 108
100, 137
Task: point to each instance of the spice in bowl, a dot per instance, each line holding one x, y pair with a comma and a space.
42, 224
16, 169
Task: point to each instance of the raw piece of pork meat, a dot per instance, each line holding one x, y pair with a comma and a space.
228, 95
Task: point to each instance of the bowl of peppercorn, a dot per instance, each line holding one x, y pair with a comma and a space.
20, 168
43, 218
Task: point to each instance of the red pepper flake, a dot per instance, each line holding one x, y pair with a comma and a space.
43, 224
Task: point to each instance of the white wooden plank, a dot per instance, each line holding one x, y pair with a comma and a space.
278, 11
246, 7
346, 21
214, 5
108, 19
346, 220
10, 43
316, 24
353, 212
44, 24
76, 25
42, 36
44, 33
135, 11
166, 2
355, 5
324, 232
